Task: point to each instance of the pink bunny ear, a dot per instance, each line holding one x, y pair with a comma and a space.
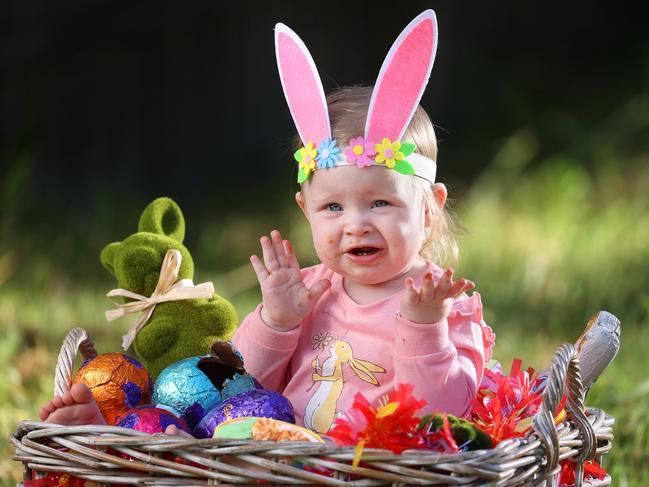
302, 86
402, 79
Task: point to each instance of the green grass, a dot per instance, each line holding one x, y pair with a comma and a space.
549, 244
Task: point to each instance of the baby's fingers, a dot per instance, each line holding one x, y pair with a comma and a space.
260, 269
467, 285
291, 260
318, 289
278, 246
460, 286
428, 287
444, 284
270, 257
411, 295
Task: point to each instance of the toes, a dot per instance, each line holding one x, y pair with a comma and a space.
67, 399
77, 406
45, 411
80, 394
173, 430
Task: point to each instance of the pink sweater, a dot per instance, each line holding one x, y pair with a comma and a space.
342, 348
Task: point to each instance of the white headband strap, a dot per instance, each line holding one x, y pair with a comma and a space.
424, 167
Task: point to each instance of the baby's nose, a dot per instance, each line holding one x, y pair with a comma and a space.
357, 224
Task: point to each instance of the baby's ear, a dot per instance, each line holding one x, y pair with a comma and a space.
107, 256
440, 193
164, 217
299, 199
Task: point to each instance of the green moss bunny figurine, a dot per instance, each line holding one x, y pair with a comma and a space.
176, 329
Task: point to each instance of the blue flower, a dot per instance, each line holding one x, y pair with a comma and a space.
328, 154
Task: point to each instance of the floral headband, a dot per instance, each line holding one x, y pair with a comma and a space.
396, 95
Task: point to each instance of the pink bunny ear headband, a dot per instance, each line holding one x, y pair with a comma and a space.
395, 98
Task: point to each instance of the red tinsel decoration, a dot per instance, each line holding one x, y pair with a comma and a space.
591, 469
500, 407
442, 440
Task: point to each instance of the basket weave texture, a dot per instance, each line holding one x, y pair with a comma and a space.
114, 455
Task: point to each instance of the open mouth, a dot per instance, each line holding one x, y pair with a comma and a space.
363, 251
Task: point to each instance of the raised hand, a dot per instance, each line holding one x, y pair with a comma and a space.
286, 300
433, 301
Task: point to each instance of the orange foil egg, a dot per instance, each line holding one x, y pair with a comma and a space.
117, 382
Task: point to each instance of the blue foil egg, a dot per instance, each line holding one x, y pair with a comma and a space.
191, 387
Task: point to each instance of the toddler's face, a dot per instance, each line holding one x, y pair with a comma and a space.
367, 223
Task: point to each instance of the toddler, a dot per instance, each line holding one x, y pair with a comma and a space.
377, 310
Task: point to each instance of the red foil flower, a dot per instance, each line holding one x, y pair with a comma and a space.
391, 426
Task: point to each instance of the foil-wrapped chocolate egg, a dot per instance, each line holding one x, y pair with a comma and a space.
258, 402
117, 382
193, 386
151, 419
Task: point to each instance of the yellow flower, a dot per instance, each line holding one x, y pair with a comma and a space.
388, 152
387, 409
307, 157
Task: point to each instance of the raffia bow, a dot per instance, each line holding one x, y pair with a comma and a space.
166, 290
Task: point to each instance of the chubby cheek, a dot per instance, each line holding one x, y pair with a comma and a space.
409, 236
324, 246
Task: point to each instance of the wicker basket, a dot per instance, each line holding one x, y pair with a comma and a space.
113, 455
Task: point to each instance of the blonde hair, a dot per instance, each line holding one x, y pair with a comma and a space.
347, 114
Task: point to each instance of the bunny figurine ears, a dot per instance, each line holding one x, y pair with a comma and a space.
395, 98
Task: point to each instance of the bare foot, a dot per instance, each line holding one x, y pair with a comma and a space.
174, 430
75, 407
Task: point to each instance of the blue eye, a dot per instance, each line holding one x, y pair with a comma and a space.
334, 207
380, 204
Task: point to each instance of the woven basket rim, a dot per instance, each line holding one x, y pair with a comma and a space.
100, 452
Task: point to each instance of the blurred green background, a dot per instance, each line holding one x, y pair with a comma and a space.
543, 121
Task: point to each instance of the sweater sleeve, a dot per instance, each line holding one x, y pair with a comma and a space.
266, 352
444, 361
